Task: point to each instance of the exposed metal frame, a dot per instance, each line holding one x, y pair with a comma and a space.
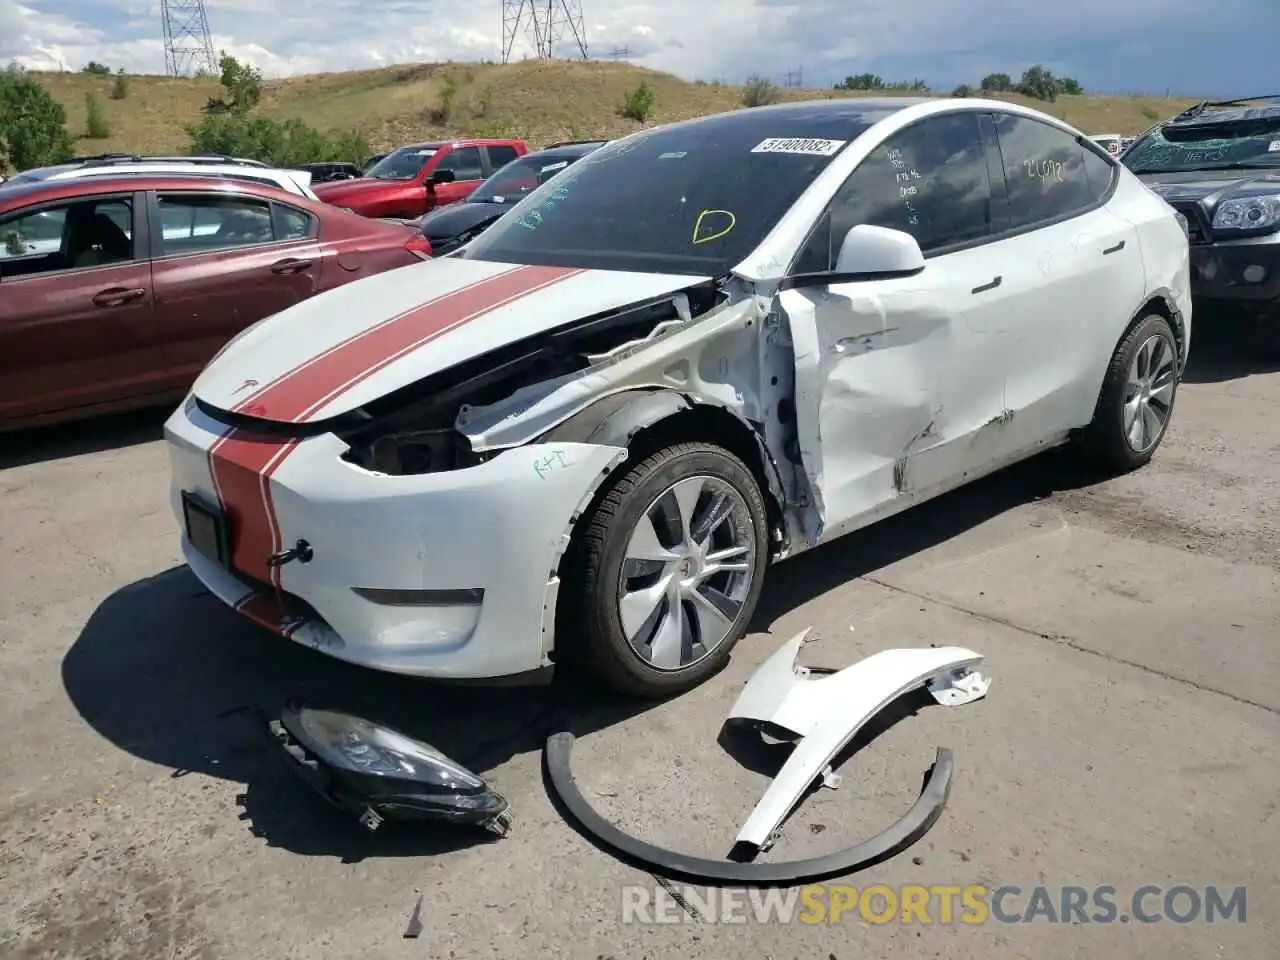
546, 24
188, 44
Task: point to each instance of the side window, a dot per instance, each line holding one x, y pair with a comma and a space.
929, 180
203, 223
464, 162
1098, 173
70, 236
290, 223
1044, 170
501, 156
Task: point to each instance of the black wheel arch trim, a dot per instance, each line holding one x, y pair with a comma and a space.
614, 420
892, 840
1176, 320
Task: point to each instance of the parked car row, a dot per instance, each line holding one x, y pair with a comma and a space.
119, 283
1214, 164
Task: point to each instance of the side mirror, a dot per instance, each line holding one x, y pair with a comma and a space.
442, 176
878, 250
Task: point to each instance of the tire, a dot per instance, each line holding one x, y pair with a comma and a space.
594, 594
1108, 440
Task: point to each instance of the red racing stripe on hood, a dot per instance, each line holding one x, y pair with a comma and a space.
299, 394
242, 463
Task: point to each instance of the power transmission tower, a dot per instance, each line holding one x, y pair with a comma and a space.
545, 23
188, 45
795, 78
620, 53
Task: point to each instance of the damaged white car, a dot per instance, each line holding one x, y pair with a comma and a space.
584, 436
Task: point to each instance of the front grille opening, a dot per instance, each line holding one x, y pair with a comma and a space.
413, 452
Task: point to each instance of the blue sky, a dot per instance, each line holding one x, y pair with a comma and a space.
1189, 47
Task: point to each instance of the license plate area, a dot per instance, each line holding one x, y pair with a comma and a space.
206, 529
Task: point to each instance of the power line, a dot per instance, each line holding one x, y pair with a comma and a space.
795, 78
545, 23
188, 45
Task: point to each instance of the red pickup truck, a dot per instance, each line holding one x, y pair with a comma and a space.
416, 179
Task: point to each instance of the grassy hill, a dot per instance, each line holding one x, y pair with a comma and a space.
537, 101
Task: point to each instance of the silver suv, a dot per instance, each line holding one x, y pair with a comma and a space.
297, 182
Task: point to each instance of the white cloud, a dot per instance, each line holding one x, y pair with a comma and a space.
1136, 45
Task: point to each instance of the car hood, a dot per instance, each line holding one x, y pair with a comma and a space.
340, 350
1212, 185
338, 190
447, 222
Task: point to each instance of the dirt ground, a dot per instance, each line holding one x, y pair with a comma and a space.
1131, 735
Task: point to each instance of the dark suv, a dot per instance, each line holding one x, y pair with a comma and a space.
1218, 164
450, 227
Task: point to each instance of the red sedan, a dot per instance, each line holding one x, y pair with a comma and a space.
116, 291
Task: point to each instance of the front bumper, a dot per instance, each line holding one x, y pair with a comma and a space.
461, 566
1244, 271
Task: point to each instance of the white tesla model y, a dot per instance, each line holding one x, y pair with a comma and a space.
706, 347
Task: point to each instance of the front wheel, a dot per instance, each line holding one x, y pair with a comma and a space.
1136, 402
666, 572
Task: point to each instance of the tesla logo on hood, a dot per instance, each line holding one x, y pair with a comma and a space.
244, 386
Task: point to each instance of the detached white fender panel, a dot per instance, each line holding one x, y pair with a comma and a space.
828, 713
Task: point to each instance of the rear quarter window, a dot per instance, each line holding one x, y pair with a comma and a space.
1045, 171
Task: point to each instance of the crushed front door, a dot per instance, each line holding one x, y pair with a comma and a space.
895, 382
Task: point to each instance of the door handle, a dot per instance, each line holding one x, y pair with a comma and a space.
988, 286
1116, 249
118, 296
290, 265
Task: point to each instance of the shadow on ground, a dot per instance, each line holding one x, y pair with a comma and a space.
166, 672
39, 444
1226, 346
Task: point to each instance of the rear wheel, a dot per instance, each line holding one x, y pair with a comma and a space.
666, 571
1136, 401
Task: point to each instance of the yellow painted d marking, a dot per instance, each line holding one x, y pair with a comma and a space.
697, 225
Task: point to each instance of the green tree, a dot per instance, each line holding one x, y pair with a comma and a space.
95, 123
279, 143
912, 86
1069, 86
964, 90
758, 91
1039, 84
997, 83
97, 69
862, 81
638, 103
243, 83
33, 125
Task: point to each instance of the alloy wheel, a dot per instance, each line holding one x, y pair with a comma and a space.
1148, 396
688, 569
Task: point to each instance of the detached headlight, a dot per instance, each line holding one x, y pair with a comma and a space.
377, 773
1261, 214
